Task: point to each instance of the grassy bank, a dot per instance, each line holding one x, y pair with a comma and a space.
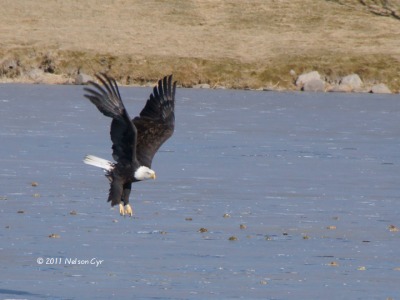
235, 44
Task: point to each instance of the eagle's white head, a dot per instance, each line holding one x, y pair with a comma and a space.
144, 173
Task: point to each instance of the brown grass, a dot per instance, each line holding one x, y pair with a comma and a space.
230, 43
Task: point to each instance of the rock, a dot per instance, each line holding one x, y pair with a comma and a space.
82, 78
9, 68
270, 89
362, 90
39, 76
314, 85
9, 64
342, 88
353, 80
201, 86
36, 75
303, 78
380, 89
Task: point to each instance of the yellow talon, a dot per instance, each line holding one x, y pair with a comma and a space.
128, 210
121, 209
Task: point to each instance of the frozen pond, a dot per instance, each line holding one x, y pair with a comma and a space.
314, 180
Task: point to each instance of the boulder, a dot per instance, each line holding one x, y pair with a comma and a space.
353, 81
341, 88
9, 64
303, 78
9, 68
380, 89
201, 86
37, 75
82, 78
314, 85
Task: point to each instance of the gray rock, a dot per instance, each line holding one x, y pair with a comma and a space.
353, 80
10, 64
303, 78
39, 76
201, 86
380, 88
362, 90
82, 78
314, 85
36, 75
9, 68
342, 88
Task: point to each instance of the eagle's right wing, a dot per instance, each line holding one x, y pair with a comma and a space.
108, 101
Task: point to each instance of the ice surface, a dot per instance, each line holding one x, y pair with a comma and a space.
314, 177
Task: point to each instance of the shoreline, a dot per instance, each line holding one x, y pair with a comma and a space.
307, 82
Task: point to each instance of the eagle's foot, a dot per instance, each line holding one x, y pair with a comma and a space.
125, 210
128, 210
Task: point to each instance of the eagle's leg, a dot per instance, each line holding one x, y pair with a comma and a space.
126, 209
116, 192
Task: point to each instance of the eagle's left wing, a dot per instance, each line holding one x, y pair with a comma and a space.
156, 121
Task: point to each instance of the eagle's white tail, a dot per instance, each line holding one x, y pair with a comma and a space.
98, 162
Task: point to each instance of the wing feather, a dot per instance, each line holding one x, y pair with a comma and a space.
108, 101
156, 121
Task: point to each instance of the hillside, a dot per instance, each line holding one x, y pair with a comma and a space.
238, 44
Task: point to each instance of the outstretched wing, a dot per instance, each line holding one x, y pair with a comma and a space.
108, 100
156, 121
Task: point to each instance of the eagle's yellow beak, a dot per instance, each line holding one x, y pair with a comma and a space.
153, 176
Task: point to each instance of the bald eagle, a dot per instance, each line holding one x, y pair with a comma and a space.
136, 141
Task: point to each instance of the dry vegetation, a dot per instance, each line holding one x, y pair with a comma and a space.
231, 43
